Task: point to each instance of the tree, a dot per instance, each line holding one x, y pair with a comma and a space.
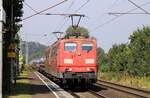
140, 47
132, 58
17, 9
77, 32
13, 9
102, 60
118, 58
17, 13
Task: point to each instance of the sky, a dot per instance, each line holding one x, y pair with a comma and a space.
107, 30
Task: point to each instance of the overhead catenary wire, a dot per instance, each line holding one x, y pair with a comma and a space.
129, 12
30, 7
64, 14
41, 12
79, 8
35, 34
113, 4
102, 15
107, 22
110, 7
70, 6
59, 14
117, 13
82, 6
63, 21
146, 12
44, 10
111, 20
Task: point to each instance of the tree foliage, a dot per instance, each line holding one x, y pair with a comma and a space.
132, 58
36, 50
13, 9
118, 57
102, 60
140, 47
77, 32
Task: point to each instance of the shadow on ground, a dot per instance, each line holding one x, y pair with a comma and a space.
29, 89
34, 86
85, 89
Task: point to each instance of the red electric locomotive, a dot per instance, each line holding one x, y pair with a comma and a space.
72, 60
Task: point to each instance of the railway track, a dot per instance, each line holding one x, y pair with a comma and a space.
126, 89
74, 94
89, 92
101, 92
97, 94
79, 93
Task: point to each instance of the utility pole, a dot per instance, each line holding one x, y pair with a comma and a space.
27, 51
12, 27
2, 20
1, 54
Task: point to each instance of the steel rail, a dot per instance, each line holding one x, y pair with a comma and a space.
97, 94
126, 89
73, 94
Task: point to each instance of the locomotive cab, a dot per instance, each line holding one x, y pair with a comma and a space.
78, 59
72, 60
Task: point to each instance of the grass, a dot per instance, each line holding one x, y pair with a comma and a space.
22, 88
136, 82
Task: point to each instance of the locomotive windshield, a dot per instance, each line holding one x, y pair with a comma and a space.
70, 46
87, 47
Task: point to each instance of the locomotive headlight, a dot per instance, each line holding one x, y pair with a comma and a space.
68, 61
70, 69
89, 61
88, 69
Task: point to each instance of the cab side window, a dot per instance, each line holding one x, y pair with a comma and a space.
53, 51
